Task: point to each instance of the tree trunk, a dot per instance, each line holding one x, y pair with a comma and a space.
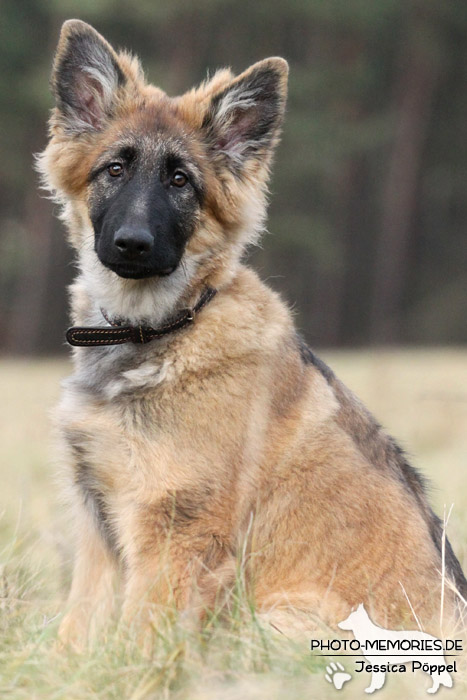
413, 100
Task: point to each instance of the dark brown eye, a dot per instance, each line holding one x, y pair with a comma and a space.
115, 169
179, 179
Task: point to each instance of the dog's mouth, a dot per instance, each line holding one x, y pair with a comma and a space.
135, 271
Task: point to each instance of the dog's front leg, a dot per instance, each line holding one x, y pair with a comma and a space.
91, 597
171, 569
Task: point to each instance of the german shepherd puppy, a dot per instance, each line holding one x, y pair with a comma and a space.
197, 424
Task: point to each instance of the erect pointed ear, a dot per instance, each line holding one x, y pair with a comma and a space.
85, 77
244, 118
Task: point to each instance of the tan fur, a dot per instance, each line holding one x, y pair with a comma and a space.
220, 438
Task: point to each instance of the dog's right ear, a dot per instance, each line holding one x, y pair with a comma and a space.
85, 77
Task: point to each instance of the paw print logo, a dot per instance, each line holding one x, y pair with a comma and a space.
337, 675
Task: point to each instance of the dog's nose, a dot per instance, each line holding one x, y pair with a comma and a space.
134, 244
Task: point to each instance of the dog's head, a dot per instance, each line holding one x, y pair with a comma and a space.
159, 193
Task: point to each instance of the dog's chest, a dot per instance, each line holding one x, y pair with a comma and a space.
119, 453
113, 373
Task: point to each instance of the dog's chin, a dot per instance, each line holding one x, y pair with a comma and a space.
136, 272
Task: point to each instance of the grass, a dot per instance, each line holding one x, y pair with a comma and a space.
421, 396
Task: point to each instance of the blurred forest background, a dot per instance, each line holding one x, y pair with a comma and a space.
369, 195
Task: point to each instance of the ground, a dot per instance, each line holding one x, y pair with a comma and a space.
419, 395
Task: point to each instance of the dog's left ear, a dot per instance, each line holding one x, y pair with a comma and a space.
85, 78
243, 119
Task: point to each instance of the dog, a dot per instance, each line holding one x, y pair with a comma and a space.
364, 630
197, 425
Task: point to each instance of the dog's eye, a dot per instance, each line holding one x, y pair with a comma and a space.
179, 179
115, 169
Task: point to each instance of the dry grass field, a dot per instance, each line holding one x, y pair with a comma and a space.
421, 397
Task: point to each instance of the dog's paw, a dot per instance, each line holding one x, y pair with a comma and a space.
337, 675
71, 635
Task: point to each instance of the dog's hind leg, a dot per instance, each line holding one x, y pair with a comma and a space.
377, 681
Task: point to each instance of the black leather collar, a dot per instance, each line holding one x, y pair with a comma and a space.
80, 336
